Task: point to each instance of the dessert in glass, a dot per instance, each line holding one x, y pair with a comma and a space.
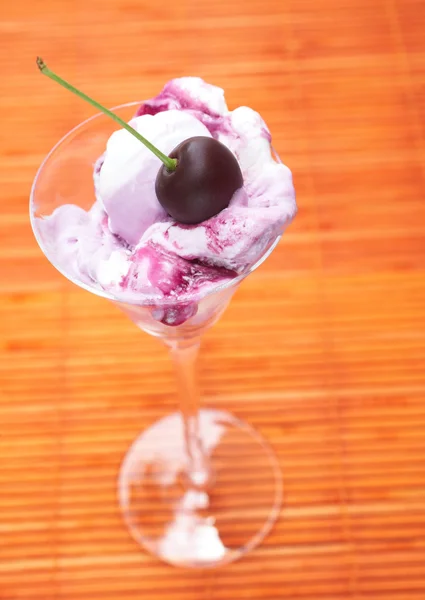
169, 243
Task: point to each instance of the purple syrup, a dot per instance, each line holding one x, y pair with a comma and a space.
176, 315
216, 125
98, 164
266, 135
178, 280
152, 108
173, 97
171, 275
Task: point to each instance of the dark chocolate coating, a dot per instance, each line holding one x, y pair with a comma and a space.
203, 183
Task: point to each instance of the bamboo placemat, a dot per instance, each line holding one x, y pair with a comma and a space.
323, 349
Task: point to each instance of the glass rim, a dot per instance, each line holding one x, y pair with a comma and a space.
98, 291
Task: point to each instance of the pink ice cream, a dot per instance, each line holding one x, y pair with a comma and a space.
128, 246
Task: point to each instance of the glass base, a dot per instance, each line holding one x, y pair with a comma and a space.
192, 525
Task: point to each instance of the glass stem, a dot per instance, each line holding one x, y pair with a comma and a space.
184, 354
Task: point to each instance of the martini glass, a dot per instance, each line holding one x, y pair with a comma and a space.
199, 487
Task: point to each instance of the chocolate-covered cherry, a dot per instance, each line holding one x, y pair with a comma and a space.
196, 181
202, 184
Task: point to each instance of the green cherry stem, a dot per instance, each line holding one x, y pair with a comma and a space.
170, 163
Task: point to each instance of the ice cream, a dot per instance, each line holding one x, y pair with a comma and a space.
127, 244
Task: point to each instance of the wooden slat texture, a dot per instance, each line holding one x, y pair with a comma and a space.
323, 349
